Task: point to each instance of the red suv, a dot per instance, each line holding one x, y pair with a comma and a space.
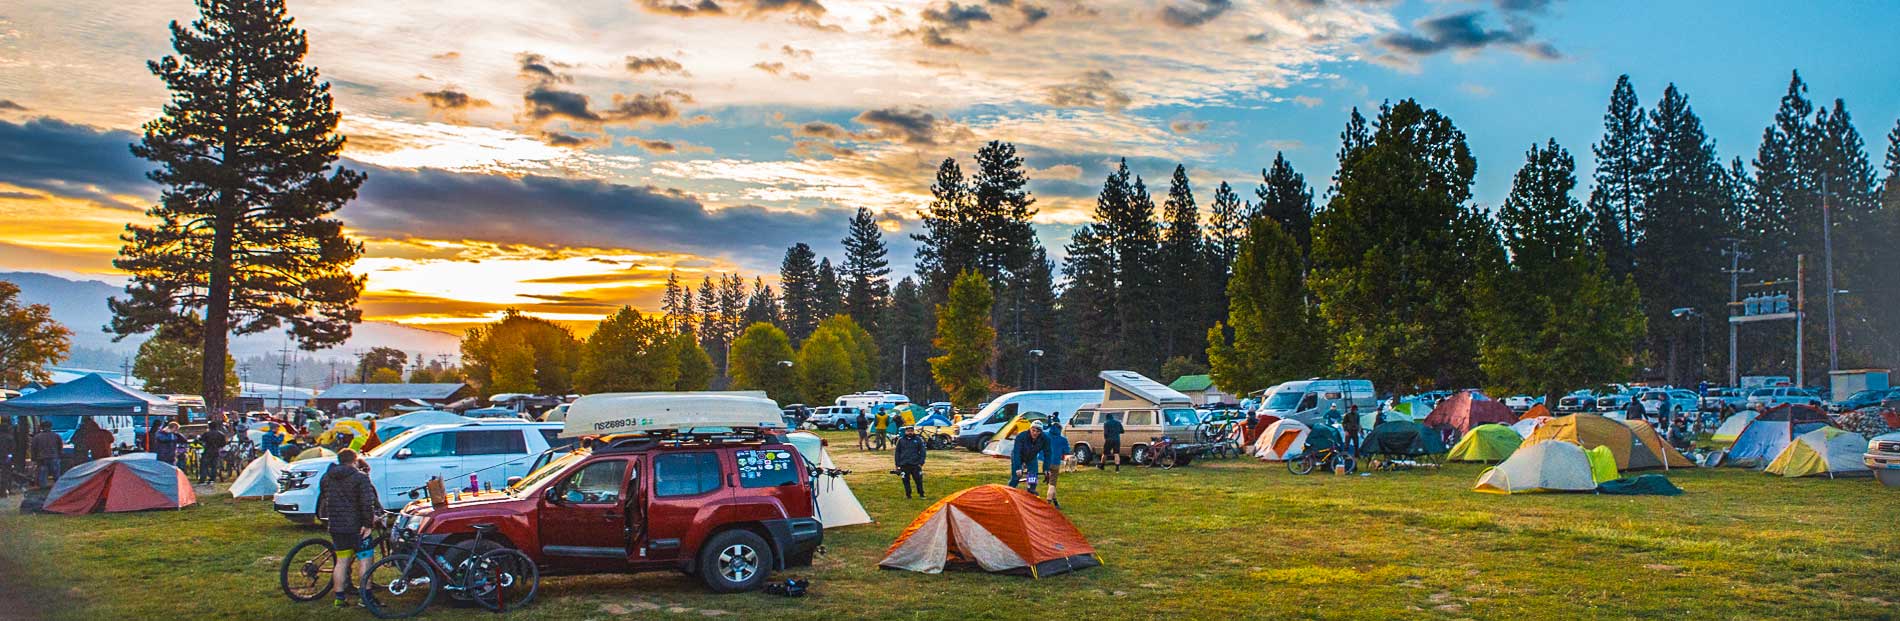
730, 509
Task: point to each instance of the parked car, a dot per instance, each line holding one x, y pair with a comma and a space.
1721, 397
1764, 398
835, 417
1883, 457
975, 432
1310, 401
1521, 403
1579, 401
1680, 401
469, 456
1612, 404
1864, 398
728, 510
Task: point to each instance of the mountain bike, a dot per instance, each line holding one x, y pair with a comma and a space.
404, 583
304, 575
1306, 462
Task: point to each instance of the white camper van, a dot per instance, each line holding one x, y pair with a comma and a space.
975, 432
1308, 401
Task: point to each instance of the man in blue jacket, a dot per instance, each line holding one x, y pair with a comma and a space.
1028, 455
1052, 457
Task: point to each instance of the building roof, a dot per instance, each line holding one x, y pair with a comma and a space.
1192, 383
392, 391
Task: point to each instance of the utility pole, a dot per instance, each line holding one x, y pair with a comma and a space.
1827, 259
903, 365
1735, 272
283, 371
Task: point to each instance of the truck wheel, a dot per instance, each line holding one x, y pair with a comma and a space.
734, 561
1141, 455
1084, 456
982, 441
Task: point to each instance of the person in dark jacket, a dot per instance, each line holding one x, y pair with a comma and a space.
863, 425
1111, 443
1053, 454
91, 441
1028, 455
46, 449
1635, 410
213, 442
910, 457
349, 507
167, 442
1350, 426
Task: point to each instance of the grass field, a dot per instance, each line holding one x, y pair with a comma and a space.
1223, 539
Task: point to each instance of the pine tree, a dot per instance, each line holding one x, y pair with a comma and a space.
676, 304
798, 279
1356, 137
1036, 325
904, 341
949, 242
246, 149
707, 306
695, 366
1678, 255
1089, 319
1851, 196
1001, 208
732, 300
1395, 251
1276, 335
629, 352
762, 305
1226, 229
758, 363
689, 317
1556, 317
866, 271
967, 340
1881, 287
829, 290
1180, 260
1622, 178
1286, 199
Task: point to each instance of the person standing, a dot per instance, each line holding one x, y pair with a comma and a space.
1052, 457
46, 449
213, 442
910, 455
863, 425
1350, 426
883, 417
1634, 410
1028, 455
166, 442
273, 439
1111, 443
92, 441
348, 507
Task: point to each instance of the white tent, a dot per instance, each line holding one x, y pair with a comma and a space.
259, 478
1528, 425
1551, 465
837, 506
1284, 437
1731, 427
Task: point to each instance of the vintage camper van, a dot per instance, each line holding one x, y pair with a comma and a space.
1146, 408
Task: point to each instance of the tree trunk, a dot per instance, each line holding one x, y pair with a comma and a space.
217, 315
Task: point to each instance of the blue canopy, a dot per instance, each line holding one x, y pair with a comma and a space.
91, 395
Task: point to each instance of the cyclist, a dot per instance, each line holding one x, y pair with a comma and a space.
348, 506
213, 441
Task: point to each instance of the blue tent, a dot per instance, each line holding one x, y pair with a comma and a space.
91, 395
1768, 434
934, 419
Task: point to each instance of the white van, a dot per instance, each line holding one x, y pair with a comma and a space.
123, 428
490, 451
1308, 401
868, 401
975, 432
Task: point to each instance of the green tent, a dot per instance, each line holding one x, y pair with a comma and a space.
1602, 464
1648, 484
1401, 438
1486, 443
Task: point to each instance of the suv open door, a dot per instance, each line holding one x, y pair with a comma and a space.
584, 519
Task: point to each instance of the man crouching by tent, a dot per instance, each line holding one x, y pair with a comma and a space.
1028, 456
910, 456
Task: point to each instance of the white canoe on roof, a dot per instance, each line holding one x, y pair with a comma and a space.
629, 412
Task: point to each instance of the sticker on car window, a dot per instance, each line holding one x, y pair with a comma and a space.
765, 467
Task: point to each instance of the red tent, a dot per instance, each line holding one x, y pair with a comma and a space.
135, 482
1468, 409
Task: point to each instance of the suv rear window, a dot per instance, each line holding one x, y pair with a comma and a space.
685, 474
490, 442
766, 468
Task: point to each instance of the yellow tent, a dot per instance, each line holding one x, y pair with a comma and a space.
1602, 464
359, 433
1632, 449
1826, 451
1005, 439
1670, 457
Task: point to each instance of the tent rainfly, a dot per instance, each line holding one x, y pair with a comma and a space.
998, 528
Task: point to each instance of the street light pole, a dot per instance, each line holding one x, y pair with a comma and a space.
1827, 259
1035, 368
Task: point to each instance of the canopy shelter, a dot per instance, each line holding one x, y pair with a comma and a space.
631, 412
934, 419
1632, 450
1468, 409
837, 506
1824, 451
1284, 438
135, 482
1541, 467
1765, 437
1486, 443
259, 478
358, 432
91, 395
997, 528
1731, 427
1401, 438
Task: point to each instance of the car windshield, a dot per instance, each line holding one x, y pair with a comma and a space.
1283, 401
1762, 392
1181, 417
544, 472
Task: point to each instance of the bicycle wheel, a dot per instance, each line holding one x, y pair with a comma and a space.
1303, 465
501, 580
305, 572
399, 587
1167, 459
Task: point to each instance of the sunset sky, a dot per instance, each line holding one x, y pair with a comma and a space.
562, 157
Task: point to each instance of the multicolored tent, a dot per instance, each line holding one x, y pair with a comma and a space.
1765, 437
1285, 437
1632, 451
1732, 426
995, 527
1554, 466
1671, 458
1466, 410
1827, 450
135, 482
1486, 443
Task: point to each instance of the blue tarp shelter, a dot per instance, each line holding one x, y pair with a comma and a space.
91, 395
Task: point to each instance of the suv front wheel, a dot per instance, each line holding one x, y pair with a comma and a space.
734, 561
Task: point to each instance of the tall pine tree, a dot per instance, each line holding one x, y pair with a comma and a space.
1678, 254
904, 342
247, 150
949, 241
828, 290
1182, 279
762, 305
1285, 197
1622, 178
798, 282
1277, 336
866, 271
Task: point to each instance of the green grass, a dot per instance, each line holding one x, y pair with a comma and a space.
1227, 539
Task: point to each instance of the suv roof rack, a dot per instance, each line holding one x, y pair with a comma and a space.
640, 441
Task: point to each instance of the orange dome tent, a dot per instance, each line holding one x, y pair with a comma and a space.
1537, 409
998, 528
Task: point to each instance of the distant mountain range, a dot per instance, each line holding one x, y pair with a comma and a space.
81, 305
